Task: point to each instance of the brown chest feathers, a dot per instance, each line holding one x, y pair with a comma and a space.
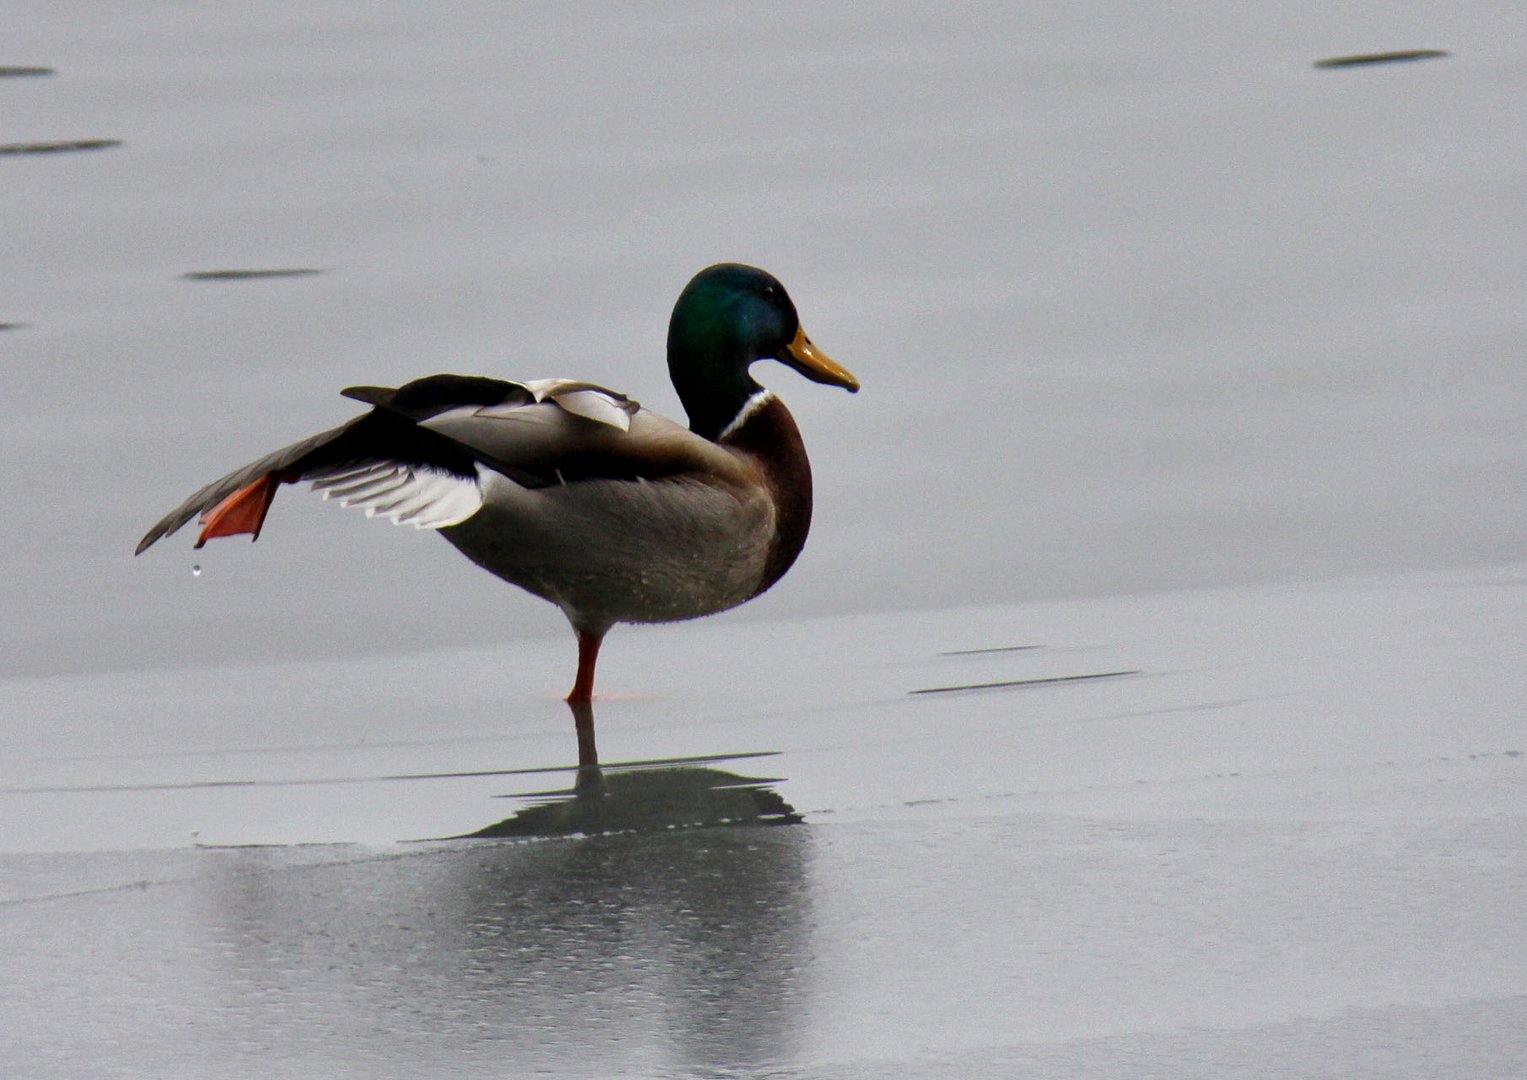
770, 438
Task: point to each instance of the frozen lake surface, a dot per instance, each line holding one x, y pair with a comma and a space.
1149, 694
1279, 833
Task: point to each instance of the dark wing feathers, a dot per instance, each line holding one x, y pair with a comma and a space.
538, 434
434, 394
375, 436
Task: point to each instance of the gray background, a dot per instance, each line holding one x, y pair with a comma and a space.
1139, 298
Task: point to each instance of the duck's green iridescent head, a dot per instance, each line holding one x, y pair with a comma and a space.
727, 317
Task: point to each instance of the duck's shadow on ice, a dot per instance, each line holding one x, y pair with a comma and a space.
641, 796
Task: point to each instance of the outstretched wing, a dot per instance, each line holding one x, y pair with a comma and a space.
419, 456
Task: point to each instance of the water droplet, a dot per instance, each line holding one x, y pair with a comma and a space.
196, 570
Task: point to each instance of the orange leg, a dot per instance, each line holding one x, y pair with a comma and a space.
581, 701
588, 655
242, 512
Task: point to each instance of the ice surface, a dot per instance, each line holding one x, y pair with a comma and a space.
1182, 358
1294, 836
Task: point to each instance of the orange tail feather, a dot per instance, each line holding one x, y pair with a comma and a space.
242, 512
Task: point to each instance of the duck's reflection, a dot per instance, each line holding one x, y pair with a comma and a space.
647, 799
687, 948
650, 944
641, 797
583, 724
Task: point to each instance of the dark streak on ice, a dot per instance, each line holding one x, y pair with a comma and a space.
1019, 683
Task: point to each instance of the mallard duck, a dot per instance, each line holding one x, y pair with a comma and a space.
574, 492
